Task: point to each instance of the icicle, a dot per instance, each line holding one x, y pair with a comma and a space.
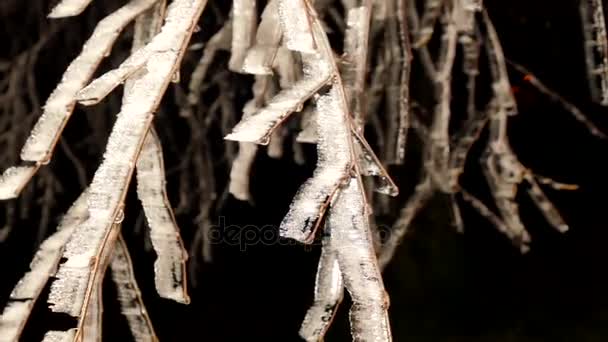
261, 56
244, 22
351, 239
129, 295
170, 264
308, 123
69, 8
369, 165
60, 104
329, 291
43, 266
258, 127
71, 291
296, 25
241, 165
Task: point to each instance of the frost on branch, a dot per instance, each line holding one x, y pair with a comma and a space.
71, 291
260, 57
351, 239
59, 336
244, 22
14, 179
296, 23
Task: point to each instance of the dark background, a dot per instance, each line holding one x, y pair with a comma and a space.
444, 286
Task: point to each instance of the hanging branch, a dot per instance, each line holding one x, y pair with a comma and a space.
43, 266
71, 291
58, 108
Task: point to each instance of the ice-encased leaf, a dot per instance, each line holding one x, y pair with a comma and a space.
129, 295
14, 179
69, 8
333, 165
60, 104
352, 241
329, 291
258, 127
296, 25
244, 22
42, 267
108, 189
170, 264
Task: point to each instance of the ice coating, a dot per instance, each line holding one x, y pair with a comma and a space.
244, 22
329, 291
333, 165
69, 8
351, 239
258, 127
129, 295
71, 289
596, 48
14, 179
43, 266
170, 264
60, 104
296, 25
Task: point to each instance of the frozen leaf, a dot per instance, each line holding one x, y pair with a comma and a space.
14, 179
244, 22
170, 264
72, 288
259, 126
60, 104
352, 240
129, 296
69, 8
296, 25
